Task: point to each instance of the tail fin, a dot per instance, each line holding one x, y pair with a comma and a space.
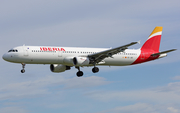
153, 42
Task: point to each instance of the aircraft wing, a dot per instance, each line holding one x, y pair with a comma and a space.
163, 52
97, 57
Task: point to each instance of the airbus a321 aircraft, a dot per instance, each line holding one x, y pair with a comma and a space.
63, 58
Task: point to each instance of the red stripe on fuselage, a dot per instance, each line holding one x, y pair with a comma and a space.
145, 56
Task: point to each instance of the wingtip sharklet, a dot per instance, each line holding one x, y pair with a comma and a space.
139, 42
136, 42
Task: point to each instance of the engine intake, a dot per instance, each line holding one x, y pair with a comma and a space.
81, 61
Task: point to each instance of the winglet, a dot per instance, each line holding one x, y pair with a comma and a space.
139, 42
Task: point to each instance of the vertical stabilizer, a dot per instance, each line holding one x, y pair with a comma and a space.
153, 42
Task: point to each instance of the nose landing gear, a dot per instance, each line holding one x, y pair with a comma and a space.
23, 66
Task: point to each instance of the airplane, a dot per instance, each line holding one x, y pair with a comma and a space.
63, 58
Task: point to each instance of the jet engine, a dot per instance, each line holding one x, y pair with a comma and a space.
68, 61
81, 61
59, 68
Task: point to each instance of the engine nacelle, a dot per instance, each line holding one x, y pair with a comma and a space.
81, 61
68, 61
59, 68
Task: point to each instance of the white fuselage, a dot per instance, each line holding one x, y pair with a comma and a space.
60, 55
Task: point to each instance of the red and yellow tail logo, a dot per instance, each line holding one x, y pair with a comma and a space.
156, 31
153, 42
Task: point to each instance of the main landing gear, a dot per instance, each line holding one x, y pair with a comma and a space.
80, 73
23, 66
95, 69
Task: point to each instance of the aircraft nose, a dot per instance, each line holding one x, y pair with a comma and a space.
5, 56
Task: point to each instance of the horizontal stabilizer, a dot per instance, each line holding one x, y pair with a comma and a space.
163, 52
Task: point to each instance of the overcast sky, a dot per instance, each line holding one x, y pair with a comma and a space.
152, 87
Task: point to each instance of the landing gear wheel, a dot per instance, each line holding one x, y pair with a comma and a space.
22, 71
95, 69
79, 73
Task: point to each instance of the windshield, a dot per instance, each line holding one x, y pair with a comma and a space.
13, 50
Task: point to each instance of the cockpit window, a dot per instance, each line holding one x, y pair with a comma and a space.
13, 50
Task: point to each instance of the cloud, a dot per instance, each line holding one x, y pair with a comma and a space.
85, 82
41, 86
171, 87
143, 108
176, 78
55, 22
166, 94
137, 108
13, 110
138, 95
173, 110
